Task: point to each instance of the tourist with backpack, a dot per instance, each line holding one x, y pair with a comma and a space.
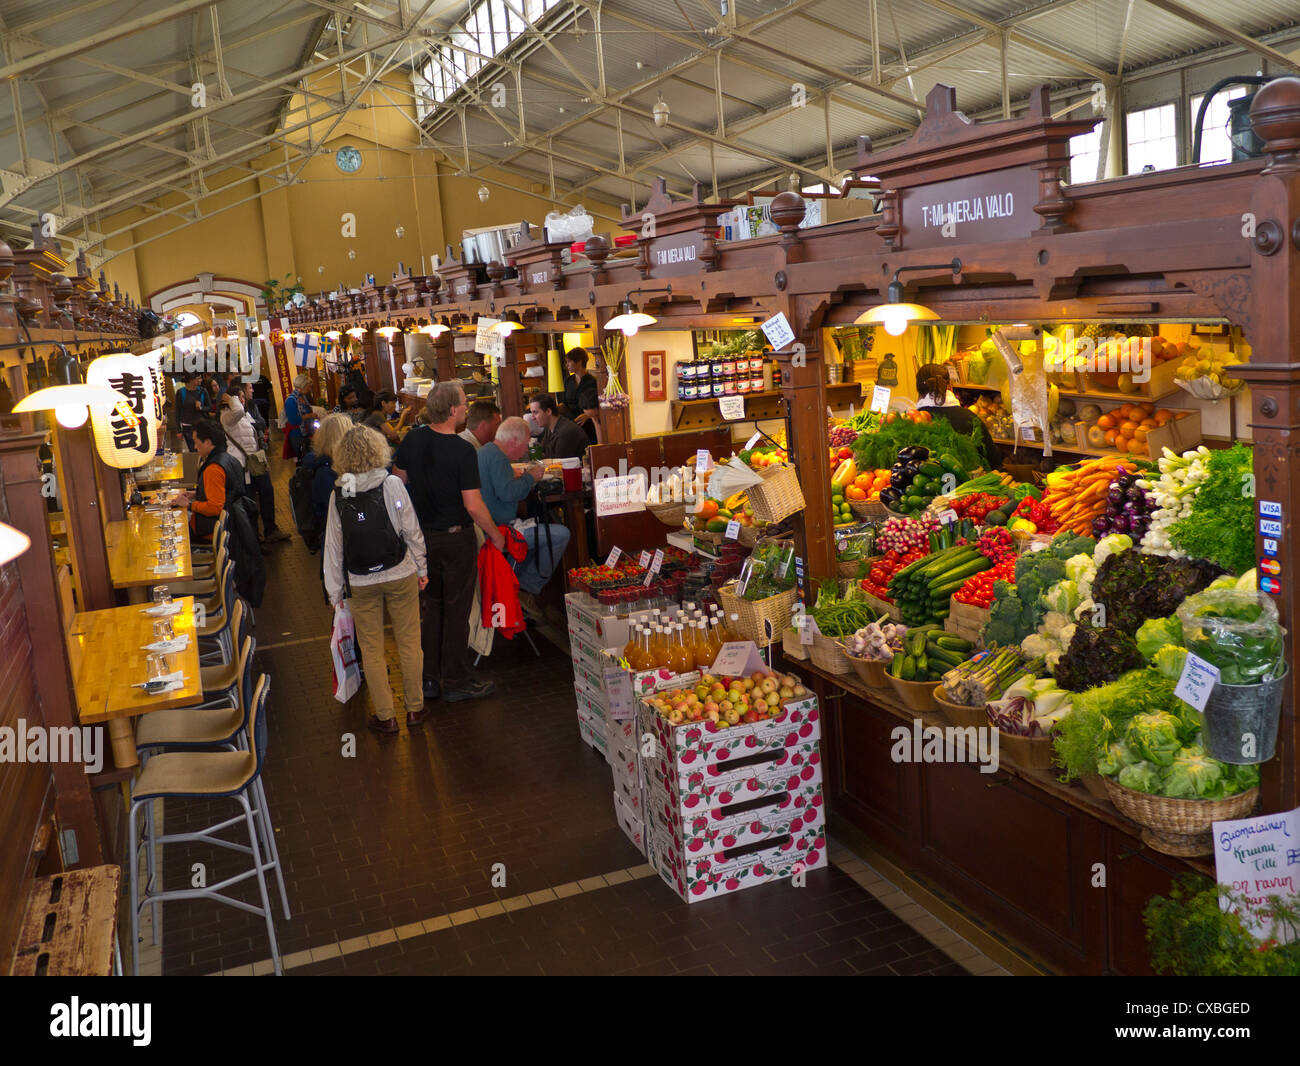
312, 483
374, 557
298, 419
191, 405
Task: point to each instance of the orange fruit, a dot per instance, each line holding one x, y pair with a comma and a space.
708, 508
1127, 427
1140, 434
1111, 435
855, 492
1106, 422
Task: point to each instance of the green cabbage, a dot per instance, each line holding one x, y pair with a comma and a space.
1156, 633
1141, 777
1155, 737
1063, 597
1193, 777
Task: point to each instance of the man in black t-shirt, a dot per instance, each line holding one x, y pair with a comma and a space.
441, 474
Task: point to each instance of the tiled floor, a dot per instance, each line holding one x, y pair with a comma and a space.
395, 849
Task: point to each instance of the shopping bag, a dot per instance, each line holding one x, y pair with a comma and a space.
343, 649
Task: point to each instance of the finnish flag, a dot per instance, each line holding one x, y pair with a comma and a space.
305, 350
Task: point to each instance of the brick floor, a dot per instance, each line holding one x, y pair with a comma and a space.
413, 827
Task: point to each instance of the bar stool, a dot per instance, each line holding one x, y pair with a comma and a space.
218, 680
206, 775
203, 585
216, 629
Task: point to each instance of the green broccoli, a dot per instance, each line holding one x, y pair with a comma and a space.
1036, 572
1067, 544
1011, 618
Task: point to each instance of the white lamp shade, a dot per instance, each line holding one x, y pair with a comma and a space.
13, 542
505, 328
387, 331
437, 329
630, 323
69, 402
896, 317
126, 435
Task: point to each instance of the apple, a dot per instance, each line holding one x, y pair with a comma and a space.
732, 716
710, 705
749, 684
712, 715
769, 686
757, 675
760, 706
800, 692
752, 716
725, 706
785, 692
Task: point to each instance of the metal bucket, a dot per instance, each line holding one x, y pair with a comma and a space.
1235, 712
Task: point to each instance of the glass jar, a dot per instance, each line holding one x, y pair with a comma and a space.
719, 386
716, 368
756, 382
686, 370
729, 385
742, 366
742, 384
728, 366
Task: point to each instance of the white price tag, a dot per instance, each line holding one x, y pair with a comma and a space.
658, 561
777, 331
752, 441
880, 399
947, 515
649, 577
732, 407
1197, 681
703, 461
611, 560
644, 560
808, 631
733, 530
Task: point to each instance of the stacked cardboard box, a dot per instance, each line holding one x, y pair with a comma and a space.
732, 807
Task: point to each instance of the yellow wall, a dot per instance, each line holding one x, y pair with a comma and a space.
297, 229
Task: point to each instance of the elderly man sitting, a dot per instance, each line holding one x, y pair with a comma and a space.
503, 489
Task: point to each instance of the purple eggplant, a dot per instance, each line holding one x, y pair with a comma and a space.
1135, 494
1100, 527
1115, 494
1119, 524
1113, 510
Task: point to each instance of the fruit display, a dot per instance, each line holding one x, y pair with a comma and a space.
713, 516
841, 436
1125, 428
904, 534
764, 456
1075, 496
917, 478
995, 415
977, 591
978, 506
728, 701
1207, 377
928, 653
1128, 507
841, 513
885, 567
923, 589
867, 486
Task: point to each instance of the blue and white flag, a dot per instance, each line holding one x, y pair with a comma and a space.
328, 350
305, 350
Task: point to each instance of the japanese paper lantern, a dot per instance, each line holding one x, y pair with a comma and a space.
126, 436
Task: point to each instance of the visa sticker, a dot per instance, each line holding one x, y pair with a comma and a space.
1270, 546
1270, 528
1270, 509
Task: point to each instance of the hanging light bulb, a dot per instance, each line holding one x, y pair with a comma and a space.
13, 542
356, 332
400, 231
896, 315
434, 329
333, 334
629, 320
352, 253
509, 324
483, 193
660, 111
387, 331
67, 396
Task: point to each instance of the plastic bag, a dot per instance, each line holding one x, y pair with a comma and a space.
1236, 630
343, 650
568, 226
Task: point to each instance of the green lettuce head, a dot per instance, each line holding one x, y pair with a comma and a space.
1156, 633
1116, 757
1169, 661
1141, 777
1238, 778
1155, 737
1194, 777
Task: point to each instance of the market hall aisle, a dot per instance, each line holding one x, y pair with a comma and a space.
389, 853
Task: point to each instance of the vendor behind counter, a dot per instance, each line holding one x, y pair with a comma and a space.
933, 395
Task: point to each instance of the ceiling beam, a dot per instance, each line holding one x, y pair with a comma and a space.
1247, 42
115, 33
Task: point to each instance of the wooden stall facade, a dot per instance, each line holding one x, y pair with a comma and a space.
1207, 243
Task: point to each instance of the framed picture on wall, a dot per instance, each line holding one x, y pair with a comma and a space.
654, 373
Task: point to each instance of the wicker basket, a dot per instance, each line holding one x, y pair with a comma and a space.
848, 567
960, 714
865, 509
670, 514
828, 654
891, 611
871, 674
791, 647
916, 695
762, 621
1028, 753
1179, 826
1096, 786
778, 496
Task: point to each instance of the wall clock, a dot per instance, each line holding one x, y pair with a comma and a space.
348, 159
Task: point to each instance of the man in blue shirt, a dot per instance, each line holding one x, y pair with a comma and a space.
503, 491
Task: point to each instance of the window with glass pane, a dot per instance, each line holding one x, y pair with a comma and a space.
500, 28
480, 32
1085, 149
1152, 139
1216, 142
533, 9
514, 23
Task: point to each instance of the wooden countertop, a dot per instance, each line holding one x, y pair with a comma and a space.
157, 472
1047, 780
108, 658
131, 543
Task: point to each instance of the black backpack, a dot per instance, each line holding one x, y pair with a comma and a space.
304, 512
370, 543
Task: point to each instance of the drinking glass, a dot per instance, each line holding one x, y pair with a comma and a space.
162, 595
162, 629
157, 665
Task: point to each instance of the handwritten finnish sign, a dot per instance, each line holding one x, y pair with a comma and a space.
1197, 681
777, 331
1259, 858
619, 495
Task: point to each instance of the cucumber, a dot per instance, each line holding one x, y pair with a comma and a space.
922, 665
948, 642
909, 669
931, 469
896, 666
943, 660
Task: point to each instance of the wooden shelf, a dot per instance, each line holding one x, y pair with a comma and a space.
759, 406
1091, 394
1073, 450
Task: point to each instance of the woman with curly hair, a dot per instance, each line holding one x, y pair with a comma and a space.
374, 556
318, 462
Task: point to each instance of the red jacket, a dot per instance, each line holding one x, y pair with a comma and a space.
498, 586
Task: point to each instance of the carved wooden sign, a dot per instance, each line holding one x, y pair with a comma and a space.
539, 262
998, 206
676, 236
459, 279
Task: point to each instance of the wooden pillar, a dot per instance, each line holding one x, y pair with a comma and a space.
510, 387
79, 496
20, 475
111, 499
802, 381
370, 353
444, 357
1273, 327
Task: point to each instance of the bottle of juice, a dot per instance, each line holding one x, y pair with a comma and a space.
645, 659
713, 640
704, 653
659, 648
687, 636
733, 628
633, 645
680, 660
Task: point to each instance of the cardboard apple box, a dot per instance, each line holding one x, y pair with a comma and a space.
703, 835
633, 827
723, 783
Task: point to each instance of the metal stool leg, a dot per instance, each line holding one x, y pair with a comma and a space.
133, 861
151, 868
264, 816
261, 882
